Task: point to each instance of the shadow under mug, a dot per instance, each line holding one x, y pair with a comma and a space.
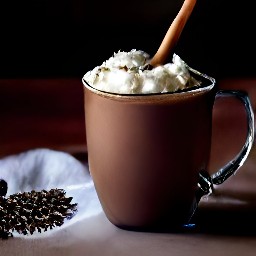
148, 153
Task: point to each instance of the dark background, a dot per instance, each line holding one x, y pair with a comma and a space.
66, 38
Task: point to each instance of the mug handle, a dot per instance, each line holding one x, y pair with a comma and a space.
206, 181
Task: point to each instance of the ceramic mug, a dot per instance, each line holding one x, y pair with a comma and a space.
148, 153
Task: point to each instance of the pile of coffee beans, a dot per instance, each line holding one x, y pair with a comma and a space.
33, 211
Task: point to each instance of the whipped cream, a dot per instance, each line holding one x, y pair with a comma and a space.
128, 73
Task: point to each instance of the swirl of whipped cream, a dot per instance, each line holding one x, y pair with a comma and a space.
126, 73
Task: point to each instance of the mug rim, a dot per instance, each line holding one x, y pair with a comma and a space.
187, 91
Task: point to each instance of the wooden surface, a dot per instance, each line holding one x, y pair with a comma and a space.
49, 113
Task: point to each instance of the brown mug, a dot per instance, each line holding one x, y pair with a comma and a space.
148, 153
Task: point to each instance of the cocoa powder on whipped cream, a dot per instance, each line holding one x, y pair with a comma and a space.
128, 73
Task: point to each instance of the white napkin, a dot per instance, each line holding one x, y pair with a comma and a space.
46, 169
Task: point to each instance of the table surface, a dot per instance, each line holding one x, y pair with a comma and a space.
48, 113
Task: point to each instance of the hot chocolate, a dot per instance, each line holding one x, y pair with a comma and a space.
148, 128
147, 153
